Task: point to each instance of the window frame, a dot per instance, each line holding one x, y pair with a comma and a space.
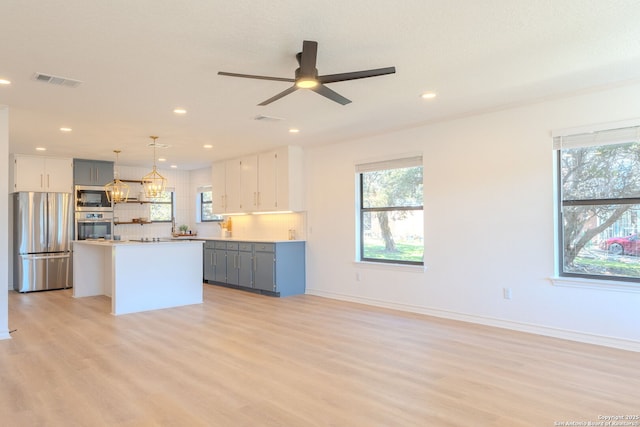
172, 192
583, 138
361, 169
202, 203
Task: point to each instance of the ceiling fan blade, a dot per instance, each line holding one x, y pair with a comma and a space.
332, 95
332, 78
251, 76
280, 95
308, 58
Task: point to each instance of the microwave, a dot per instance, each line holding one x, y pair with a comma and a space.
91, 198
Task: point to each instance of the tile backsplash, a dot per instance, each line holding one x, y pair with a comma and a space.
271, 226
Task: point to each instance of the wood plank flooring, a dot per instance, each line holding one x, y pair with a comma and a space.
242, 359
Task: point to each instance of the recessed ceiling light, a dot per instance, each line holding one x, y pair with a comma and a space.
4, 82
65, 129
162, 159
180, 111
41, 149
428, 95
207, 146
293, 130
174, 166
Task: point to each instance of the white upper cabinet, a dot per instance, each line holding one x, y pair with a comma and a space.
37, 173
225, 187
233, 201
280, 180
218, 188
266, 182
249, 183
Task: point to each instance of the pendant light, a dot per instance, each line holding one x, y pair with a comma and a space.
117, 191
153, 182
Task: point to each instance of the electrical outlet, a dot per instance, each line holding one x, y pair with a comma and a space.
357, 276
506, 293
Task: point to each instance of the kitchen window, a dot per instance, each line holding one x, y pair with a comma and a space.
205, 203
599, 202
390, 211
162, 208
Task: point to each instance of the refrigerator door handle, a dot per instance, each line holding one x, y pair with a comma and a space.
30, 257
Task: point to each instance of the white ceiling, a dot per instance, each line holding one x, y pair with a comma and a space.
140, 59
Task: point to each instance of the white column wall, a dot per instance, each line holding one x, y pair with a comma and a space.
4, 221
489, 223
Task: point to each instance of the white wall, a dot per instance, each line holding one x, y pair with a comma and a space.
489, 223
4, 222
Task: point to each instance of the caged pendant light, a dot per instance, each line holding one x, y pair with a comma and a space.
117, 191
153, 182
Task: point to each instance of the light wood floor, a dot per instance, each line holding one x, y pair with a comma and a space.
242, 359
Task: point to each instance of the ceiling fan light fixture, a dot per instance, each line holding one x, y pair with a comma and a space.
306, 83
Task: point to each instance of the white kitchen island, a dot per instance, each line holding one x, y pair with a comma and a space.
139, 276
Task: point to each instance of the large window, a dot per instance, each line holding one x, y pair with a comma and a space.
599, 204
161, 209
391, 220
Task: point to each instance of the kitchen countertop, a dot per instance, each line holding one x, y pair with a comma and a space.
241, 239
133, 242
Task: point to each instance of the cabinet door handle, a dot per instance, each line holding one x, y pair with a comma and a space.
48, 181
255, 198
41, 180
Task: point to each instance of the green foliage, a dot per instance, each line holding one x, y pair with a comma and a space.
411, 252
614, 266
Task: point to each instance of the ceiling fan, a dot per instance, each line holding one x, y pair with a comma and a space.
307, 77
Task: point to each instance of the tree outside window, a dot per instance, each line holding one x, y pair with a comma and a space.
391, 213
599, 206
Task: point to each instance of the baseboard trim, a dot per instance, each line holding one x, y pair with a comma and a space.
620, 343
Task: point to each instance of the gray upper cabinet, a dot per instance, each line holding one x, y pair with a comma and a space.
92, 172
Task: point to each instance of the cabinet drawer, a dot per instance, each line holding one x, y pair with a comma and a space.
232, 246
220, 245
209, 244
264, 247
245, 247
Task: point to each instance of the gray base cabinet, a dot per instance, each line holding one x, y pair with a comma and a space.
272, 268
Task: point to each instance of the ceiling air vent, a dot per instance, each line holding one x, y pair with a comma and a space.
158, 145
56, 80
262, 118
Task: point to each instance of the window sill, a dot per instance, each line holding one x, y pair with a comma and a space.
391, 266
602, 285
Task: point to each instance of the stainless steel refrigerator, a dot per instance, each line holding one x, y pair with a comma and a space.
43, 226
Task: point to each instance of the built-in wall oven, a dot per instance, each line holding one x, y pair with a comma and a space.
94, 225
91, 199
